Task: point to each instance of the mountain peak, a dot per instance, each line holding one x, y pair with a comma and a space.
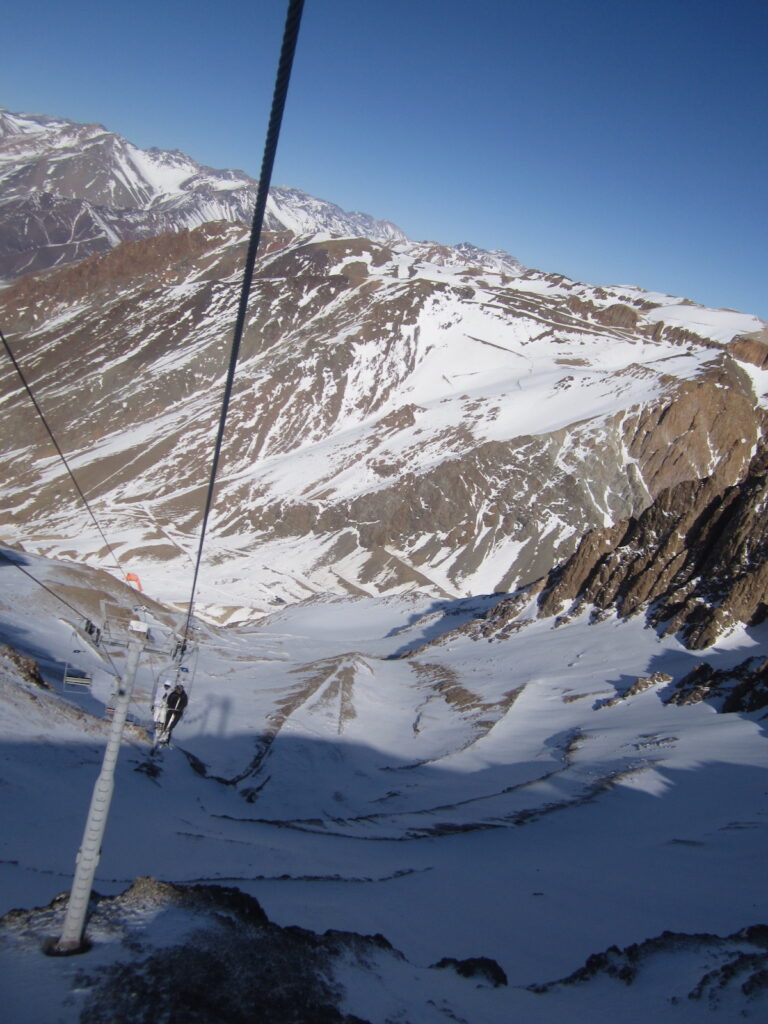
101, 190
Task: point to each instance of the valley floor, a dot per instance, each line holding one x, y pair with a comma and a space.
467, 799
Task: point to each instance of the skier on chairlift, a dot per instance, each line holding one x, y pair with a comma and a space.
176, 703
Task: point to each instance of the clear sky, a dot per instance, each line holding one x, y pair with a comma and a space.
615, 141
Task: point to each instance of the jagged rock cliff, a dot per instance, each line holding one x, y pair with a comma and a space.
696, 559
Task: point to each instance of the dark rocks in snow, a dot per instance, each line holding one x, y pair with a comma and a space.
743, 688
641, 684
27, 668
646, 682
733, 966
210, 980
228, 964
481, 967
161, 953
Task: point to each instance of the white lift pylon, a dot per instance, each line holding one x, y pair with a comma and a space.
88, 855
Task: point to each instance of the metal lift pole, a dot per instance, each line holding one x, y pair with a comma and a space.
71, 940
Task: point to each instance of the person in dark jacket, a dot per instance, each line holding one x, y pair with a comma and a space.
176, 703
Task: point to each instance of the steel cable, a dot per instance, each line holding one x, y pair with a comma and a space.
62, 456
290, 36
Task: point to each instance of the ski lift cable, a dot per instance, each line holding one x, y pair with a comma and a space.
40, 583
78, 613
62, 456
282, 80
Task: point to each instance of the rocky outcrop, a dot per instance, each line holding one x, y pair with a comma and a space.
481, 967
743, 688
740, 977
751, 348
640, 685
25, 668
207, 954
696, 559
705, 426
618, 315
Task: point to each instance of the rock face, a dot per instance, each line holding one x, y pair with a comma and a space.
697, 558
752, 348
26, 668
743, 688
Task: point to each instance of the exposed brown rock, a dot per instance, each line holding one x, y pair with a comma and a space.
743, 688
703, 426
163, 259
751, 348
640, 685
580, 568
699, 553
581, 306
618, 315
27, 668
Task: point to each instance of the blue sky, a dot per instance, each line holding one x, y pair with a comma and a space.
610, 140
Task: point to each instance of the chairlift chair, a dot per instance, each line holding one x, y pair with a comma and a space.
76, 680
179, 665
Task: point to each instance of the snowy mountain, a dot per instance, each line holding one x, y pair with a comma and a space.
402, 420
478, 686
70, 190
407, 415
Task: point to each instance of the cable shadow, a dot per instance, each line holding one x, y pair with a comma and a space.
213, 718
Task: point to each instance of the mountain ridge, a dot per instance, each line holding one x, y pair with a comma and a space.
400, 419
406, 414
71, 190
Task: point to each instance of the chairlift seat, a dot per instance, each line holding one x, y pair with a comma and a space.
76, 681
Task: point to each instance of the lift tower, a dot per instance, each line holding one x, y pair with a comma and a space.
71, 940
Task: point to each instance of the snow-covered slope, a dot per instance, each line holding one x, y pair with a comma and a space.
522, 800
471, 809
406, 415
70, 190
402, 419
